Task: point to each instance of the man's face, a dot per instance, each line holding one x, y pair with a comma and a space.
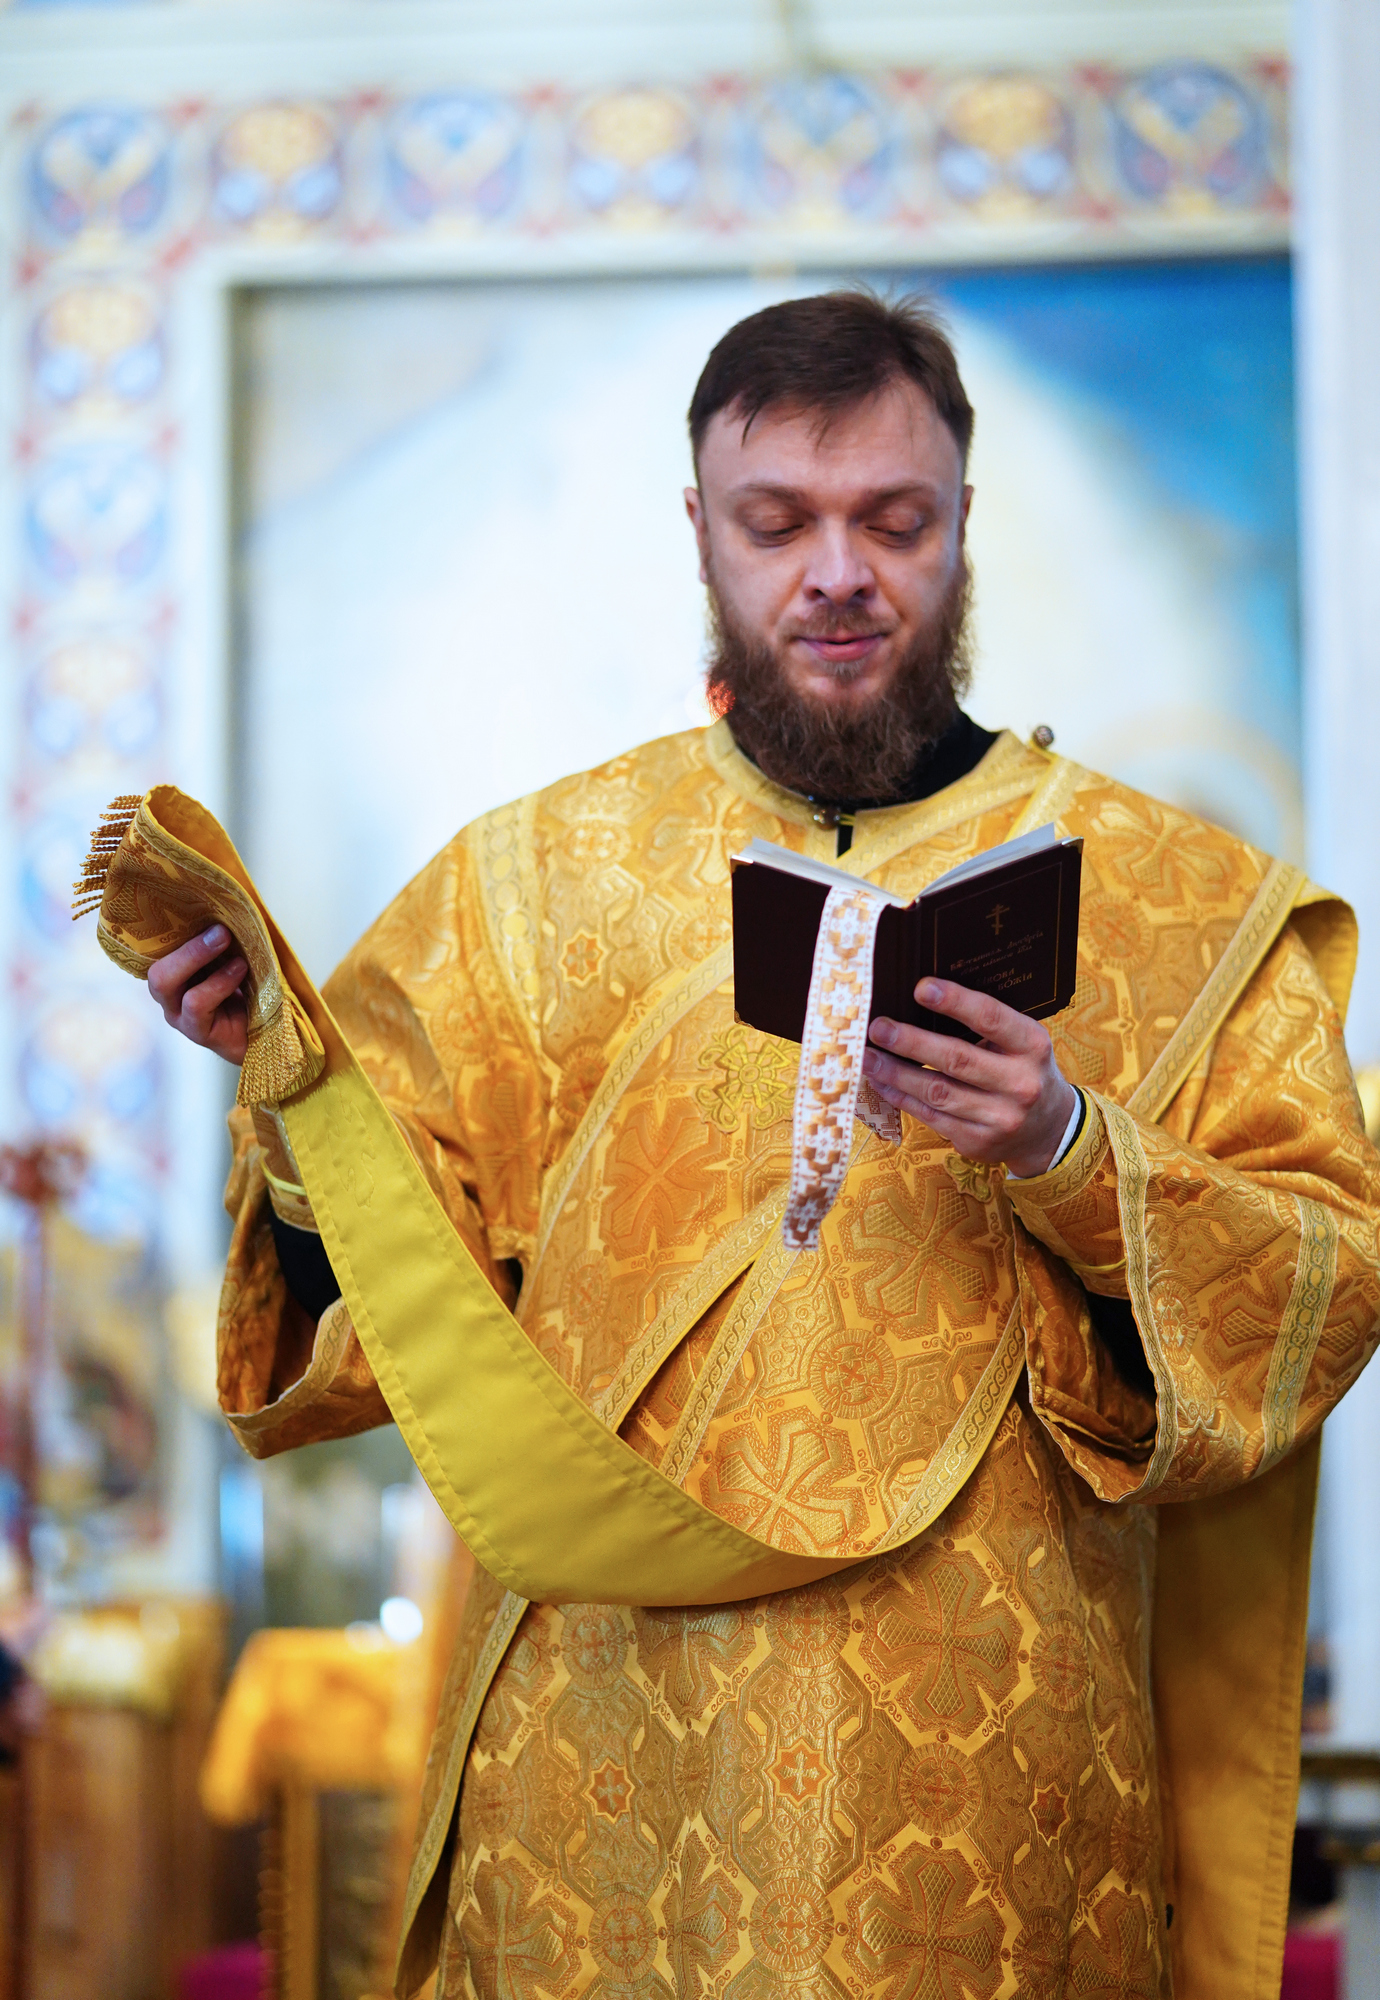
836, 553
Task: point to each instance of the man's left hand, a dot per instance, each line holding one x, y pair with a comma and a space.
1002, 1100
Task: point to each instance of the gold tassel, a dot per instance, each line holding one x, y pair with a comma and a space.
116, 821
273, 1065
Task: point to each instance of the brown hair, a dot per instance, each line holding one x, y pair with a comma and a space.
828, 354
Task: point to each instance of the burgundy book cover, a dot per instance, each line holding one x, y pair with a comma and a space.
1012, 932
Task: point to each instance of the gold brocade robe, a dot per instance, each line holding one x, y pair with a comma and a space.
968, 1767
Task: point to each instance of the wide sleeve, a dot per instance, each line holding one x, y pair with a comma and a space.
1244, 1232
428, 1015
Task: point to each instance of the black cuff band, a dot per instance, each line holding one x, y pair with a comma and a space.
304, 1264
1077, 1132
1115, 1325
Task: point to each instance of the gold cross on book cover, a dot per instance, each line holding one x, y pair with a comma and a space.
1004, 923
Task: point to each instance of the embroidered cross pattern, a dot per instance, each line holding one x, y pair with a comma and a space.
831, 1053
799, 1772
611, 1790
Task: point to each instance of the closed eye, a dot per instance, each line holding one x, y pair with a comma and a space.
771, 532
898, 534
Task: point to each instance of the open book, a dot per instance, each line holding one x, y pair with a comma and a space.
1004, 923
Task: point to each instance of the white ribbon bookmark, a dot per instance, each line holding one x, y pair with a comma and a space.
827, 1091
882, 1118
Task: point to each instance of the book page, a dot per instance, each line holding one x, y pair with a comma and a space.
996, 857
765, 853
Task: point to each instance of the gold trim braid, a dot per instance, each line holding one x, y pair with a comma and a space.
764, 1281
1265, 918
732, 1254
1051, 797
667, 1014
957, 1457
1300, 1330
1133, 1183
432, 1838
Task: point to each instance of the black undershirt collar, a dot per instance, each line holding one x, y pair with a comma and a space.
958, 751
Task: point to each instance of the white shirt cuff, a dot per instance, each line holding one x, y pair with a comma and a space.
1070, 1133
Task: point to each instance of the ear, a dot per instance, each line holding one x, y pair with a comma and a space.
964, 505
694, 507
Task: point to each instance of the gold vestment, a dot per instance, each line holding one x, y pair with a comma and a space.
980, 1764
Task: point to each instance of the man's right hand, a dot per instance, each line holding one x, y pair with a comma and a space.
198, 988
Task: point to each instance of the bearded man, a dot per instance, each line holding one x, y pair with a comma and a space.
1013, 1723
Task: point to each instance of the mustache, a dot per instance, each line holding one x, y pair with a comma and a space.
858, 752
836, 621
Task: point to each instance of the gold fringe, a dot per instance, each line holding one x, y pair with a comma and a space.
115, 823
275, 1063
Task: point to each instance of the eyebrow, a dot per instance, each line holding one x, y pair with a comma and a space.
879, 496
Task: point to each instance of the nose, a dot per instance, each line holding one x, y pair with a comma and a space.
838, 570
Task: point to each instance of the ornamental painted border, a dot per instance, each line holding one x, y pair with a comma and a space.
133, 219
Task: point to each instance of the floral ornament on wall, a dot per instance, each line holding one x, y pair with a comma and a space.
455, 158
95, 696
1005, 143
277, 168
104, 168
634, 156
819, 150
1190, 136
96, 515
98, 347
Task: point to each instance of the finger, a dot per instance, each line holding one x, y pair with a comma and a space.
203, 996
994, 1021
168, 975
199, 1002
970, 1062
229, 1032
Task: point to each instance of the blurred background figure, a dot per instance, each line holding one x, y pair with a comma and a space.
12, 1677
345, 368
21, 1706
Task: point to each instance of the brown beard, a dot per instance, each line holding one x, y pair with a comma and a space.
838, 752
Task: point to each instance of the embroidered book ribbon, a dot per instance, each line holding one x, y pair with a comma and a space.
882, 1118
828, 1084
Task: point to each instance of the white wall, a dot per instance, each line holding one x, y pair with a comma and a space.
1338, 294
